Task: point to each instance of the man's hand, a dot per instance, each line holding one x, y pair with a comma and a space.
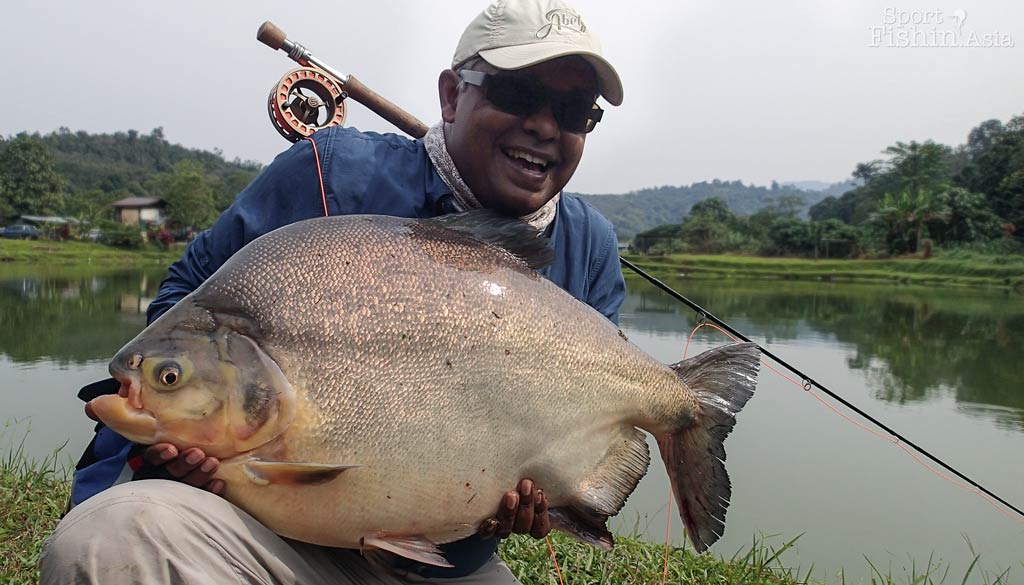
524, 511
191, 466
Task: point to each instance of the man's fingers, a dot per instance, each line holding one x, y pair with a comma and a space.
186, 462
160, 453
215, 487
203, 472
541, 522
524, 513
507, 514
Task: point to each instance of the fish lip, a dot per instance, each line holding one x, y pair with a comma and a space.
136, 424
131, 388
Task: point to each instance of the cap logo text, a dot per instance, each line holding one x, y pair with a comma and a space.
561, 18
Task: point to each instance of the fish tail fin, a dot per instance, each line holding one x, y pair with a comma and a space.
723, 379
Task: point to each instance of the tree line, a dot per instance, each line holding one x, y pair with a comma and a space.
919, 196
645, 209
78, 175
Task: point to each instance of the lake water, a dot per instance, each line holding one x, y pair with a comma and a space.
942, 366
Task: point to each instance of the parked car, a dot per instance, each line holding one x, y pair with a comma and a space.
20, 232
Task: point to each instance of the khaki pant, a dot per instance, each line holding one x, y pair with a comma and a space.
158, 531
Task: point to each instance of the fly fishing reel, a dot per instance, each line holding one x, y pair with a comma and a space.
304, 101
312, 97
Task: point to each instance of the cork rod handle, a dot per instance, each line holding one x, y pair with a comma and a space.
405, 121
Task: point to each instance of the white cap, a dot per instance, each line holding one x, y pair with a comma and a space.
513, 34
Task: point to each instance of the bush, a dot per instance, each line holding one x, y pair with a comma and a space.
120, 235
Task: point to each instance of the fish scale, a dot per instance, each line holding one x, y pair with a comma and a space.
429, 354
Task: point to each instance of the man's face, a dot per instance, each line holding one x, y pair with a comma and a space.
488, 144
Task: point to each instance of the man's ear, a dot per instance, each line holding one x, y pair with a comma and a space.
448, 92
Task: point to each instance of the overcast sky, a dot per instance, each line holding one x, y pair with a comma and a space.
737, 89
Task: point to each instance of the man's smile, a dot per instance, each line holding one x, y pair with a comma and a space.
529, 160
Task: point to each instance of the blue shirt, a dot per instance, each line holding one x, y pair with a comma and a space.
368, 173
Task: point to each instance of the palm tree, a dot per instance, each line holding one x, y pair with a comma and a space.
906, 212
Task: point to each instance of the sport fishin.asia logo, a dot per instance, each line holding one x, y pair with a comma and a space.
903, 29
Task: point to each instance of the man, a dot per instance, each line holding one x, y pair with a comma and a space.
516, 107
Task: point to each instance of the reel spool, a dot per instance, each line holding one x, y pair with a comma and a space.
304, 101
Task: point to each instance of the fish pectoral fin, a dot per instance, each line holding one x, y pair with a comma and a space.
292, 473
417, 548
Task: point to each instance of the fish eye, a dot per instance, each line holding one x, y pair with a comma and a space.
170, 374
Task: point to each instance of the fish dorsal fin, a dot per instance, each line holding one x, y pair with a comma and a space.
514, 235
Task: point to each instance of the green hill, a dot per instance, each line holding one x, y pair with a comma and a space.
77, 173
642, 210
126, 160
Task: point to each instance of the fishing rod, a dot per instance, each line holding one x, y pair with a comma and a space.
808, 382
311, 98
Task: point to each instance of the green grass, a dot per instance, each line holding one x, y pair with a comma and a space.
43, 252
957, 269
33, 495
633, 561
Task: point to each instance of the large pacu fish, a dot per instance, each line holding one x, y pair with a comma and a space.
379, 383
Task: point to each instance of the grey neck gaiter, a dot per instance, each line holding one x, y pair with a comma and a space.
464, 199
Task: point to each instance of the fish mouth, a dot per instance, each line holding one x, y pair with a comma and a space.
131, 390
124, 413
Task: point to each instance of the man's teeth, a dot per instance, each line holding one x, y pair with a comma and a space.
527, 157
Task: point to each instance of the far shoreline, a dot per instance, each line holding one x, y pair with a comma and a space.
76, 254
955, 270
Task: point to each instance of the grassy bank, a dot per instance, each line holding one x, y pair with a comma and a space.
956, 269
73, 253
963, 268
33, 496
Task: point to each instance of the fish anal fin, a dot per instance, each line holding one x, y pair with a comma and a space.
602, 491
417, 548
723, 380
587, 528
605, 489
292, 473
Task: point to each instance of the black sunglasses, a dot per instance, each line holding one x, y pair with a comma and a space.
519, 95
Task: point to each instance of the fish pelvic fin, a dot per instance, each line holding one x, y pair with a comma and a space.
587, 528
511, 234
417, 548
723, 380
289, 473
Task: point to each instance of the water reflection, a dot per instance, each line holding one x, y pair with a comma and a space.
72, 319
914, 344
